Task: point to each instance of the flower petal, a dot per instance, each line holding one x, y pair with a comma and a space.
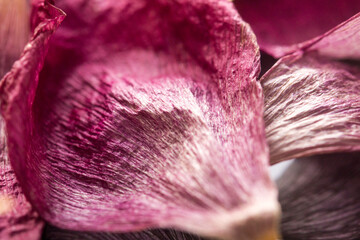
53, 233
283, 26
320, 198
14, 31
18, 221
342, 42
147, 114
312, 106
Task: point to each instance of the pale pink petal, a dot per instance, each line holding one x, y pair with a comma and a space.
342, 42
312, 106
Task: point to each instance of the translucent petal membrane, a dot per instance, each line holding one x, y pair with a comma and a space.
283, 26
14, 31
53, 233
320, 198
312, 106
18, 221
146, 114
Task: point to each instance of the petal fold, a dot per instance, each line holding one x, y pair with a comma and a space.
320, 198
342, 42
146, 114
18, 220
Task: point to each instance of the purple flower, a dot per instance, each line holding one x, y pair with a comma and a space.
122, 116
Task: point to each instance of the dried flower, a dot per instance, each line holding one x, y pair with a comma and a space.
139, 121
149, 114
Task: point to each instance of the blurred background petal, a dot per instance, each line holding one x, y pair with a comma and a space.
14, 31
320, 198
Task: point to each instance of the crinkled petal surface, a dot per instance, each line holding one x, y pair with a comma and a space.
283, 26
53, 233
146, 114
312, 106
312, 102
320, 198
18, 220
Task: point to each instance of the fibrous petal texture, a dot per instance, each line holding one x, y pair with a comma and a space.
146, 114
320, 198
283, 27
312, 102
53, 233
18, 220
312, 106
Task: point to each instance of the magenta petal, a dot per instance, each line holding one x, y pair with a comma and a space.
283, 26
147, 114
53, 233
312, 106
320, 198
18, 220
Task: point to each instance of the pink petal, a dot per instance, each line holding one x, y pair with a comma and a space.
342, 42
320, 198
312, 106
283, 26
18, 221
147, 114
311, 100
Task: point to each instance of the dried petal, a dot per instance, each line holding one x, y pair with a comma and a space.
53, 233
320, 198
147, 114
14, 31
311, 98
312, 106
283, 26
18, 221
341, 42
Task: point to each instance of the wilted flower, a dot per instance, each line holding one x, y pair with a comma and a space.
149, 114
